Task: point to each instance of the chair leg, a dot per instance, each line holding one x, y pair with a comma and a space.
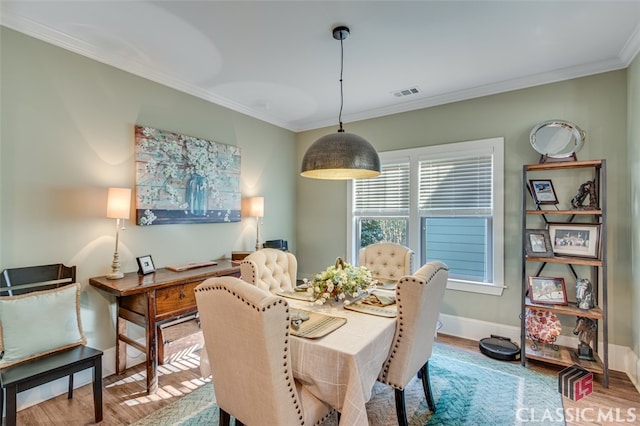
70, 392
97, 388
11, 406
426, 385
401, 410
239, 423
225, 418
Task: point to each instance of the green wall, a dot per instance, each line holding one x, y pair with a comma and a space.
598, 104
67, 134
634, 167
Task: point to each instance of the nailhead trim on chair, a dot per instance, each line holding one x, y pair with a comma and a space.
398, 338
292, 390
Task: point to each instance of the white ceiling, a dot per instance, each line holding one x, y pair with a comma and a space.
278, 61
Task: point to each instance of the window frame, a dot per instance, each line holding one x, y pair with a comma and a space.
494, 146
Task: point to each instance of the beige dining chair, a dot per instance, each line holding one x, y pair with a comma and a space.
270, 269
246, 336
386, 261
418, 298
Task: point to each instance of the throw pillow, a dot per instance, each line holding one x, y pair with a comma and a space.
39, 323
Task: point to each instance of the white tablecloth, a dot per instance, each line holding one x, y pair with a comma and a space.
342, 367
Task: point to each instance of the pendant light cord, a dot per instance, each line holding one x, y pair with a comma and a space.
341, 130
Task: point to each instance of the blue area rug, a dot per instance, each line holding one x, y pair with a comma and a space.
469, 389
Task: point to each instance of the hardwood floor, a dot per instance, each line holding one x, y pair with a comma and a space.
126, 401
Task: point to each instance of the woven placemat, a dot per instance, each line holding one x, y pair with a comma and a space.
388, 311
317, 325
298, 295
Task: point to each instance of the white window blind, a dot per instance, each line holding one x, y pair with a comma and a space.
385, 194
456, 186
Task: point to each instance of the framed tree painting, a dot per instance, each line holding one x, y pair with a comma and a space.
184, 179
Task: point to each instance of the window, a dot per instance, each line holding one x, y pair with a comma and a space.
445, 202
382, 206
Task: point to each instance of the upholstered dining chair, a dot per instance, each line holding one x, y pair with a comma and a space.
419, 298
270, 269
386, 261
246, 336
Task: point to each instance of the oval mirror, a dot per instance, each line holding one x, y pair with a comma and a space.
557, 138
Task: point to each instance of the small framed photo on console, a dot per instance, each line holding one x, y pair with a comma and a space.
145, 264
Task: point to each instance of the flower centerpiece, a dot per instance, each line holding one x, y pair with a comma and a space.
339, 282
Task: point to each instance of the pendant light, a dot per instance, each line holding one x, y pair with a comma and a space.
340, 155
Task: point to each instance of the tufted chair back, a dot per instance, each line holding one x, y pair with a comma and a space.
246, 335
419, 298
270, 269
386, 261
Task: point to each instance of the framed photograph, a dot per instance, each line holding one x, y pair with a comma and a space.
542, 191
575, 239
549, 291
538, 243
145, 265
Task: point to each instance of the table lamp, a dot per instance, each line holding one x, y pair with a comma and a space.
118, 208
256, 208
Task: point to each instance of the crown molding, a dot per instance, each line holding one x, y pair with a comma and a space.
51, 36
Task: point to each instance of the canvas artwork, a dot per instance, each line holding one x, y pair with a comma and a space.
184, 179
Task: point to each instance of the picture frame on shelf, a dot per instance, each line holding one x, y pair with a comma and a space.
547, 291
538, 243
145, 264
575, 239
542, 191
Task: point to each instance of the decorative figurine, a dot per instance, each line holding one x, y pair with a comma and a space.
586, 189
585, 330
584, 294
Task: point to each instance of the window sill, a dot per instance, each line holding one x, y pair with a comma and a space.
471, 287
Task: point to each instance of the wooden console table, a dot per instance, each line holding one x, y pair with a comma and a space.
148, 300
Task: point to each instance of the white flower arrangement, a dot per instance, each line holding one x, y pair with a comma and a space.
339, 282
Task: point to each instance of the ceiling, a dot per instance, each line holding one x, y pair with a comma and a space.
277, 60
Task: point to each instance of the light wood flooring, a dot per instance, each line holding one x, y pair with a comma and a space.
126, 401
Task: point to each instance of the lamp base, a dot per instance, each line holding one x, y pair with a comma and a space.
115, 276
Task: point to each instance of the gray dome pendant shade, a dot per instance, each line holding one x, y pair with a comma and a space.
340, 155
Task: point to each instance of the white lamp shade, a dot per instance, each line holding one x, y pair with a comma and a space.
119, 203
256, 206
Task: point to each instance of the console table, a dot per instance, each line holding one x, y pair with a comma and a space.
148, 300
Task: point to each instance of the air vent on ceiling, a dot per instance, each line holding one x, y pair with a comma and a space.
406, 92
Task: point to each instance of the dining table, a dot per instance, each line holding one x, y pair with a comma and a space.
341, 367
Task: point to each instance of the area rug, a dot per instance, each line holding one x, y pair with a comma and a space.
469, 389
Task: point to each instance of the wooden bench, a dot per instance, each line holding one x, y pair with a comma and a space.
35, 372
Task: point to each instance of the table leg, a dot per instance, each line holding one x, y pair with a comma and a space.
152, 344
121, 347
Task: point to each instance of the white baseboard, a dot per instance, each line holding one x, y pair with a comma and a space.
621, 358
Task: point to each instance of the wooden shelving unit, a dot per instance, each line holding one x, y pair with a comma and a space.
561, 355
